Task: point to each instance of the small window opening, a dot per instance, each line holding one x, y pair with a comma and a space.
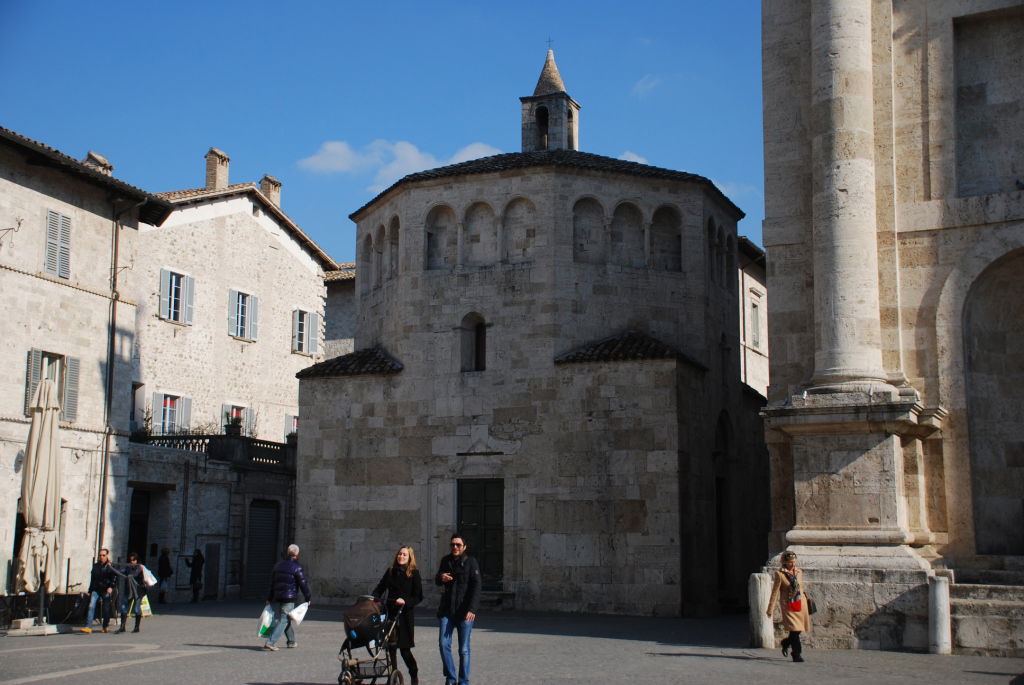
542, 128
473, 334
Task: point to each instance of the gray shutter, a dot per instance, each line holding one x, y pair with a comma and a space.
52, 242
184, 414
70, 404
232, 312
254, 310
225, 414
295, 330
64, 266
32, 374
165, 293
190, 287
289, 419
313, 333
248, 421
157, 413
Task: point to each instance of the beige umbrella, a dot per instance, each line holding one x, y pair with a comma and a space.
40, 493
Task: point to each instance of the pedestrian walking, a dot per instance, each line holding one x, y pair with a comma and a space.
195, 577
101, 589
133, 593
286, 580
164, 573
796, 617
459, 578
402, 587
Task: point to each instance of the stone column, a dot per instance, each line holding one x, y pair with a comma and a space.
759, 591
848, 352
940, 632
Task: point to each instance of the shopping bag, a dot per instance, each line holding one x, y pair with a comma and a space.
266, 620
146, 609
148, 577
298, 613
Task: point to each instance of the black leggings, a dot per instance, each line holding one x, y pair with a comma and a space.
794, 643
407, 657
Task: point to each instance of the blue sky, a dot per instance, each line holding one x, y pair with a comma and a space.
339, 99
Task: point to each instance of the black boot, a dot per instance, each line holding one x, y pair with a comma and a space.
138, 622
797, 648
785, 646
124, 621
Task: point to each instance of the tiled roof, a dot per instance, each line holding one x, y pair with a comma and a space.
346, 271
153, 211
372, 360
628, 346
179, 197
571, 159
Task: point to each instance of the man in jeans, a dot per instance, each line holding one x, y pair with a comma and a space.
286, 580
459, 577
101, 587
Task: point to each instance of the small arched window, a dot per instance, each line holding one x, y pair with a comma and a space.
473, 342
542, 128
712, 262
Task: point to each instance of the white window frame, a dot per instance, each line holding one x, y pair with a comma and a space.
243, 315
63, 371
305, 332
176, 296
171, 420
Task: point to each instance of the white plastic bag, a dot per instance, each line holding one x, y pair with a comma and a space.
266, 620
148, 577
298, 613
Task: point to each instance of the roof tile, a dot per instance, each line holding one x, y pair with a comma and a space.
628, 346
368, 361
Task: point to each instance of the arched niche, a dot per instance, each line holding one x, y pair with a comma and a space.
480, 241
626, 237
364, 270
588, 244
667, 240
441, 239
519, 231
393, 247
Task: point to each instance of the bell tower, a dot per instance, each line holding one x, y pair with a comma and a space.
551, 119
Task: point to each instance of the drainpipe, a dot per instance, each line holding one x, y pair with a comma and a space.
108, 406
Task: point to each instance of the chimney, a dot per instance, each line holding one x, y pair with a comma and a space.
98, 162
271, 189
216, 169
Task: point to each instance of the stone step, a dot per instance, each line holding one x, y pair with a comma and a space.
498, 600
986, 609
972, 591
990, 576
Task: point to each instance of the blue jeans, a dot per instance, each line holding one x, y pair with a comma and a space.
282, 623
108, 608
444, 641
131, 605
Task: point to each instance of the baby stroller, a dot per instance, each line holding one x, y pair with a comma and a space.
366, 626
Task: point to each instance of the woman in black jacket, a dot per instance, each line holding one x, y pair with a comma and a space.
402, 586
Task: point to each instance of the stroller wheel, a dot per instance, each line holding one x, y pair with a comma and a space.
345, 679
396, 678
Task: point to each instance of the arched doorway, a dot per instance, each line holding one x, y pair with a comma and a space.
994, 370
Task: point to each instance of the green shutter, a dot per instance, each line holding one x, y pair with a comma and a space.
32, 374
70, 405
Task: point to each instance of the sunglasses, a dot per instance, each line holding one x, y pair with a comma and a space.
457, 544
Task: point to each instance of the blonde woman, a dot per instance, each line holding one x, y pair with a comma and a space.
402, 586
789, 584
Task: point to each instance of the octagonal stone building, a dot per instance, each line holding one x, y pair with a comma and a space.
547, 360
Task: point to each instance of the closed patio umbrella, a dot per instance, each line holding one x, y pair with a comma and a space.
40, 494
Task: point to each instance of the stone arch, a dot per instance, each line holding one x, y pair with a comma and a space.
667, 240
993, 323
730, 262
588, 244
394, 228
480, 237
519, 230
720, 254
712, 249
440, 242
364, 271
473, 342
626, 237
379, 256
541, 118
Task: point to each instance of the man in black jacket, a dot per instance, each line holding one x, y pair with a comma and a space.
459, 577
101, 587
286, 580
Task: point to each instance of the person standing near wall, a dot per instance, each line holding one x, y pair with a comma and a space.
287, 578
101, 588
164, 573
459, 577
195, 578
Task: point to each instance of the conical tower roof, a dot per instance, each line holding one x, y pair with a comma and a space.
550, 80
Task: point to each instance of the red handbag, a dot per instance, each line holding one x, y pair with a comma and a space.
796, 605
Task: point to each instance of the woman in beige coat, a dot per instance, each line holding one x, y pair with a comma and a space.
789, 583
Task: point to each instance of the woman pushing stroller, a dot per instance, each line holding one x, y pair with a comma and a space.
402, 587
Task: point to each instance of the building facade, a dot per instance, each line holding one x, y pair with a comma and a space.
546, 359
895, 238
68, 231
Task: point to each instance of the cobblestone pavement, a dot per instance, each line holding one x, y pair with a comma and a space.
217, 643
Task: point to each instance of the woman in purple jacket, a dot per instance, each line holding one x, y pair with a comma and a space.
286, 580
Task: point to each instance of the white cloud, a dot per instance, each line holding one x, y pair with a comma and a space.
644, 86
737, 189
388, 160
631, 156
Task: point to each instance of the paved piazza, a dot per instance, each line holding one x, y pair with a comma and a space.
216, 643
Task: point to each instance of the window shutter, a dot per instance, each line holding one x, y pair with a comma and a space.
165, 293
32, 374
289, 421
70, 404
248, 421
184, 414
52, 242
64, 266
254, 310
190, 287
225, 414
295, 330
232, 312
157, 413
313, 333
